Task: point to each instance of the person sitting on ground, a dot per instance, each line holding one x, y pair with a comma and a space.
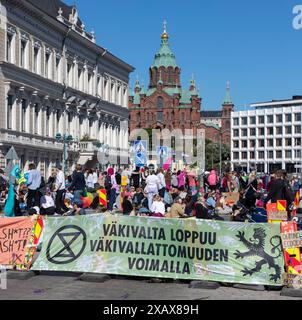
168, 199
177, 209
188, 205
77, 210
175, 193
211, 200
158, 206
201, 210
138, 196
47, 204
127, 206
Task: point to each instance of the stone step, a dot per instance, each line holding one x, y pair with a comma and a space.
253, 287
20, 275
94, 277
204, 285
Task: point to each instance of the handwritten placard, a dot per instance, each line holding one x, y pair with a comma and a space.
292, 280
14, 237
291, 239
277, 215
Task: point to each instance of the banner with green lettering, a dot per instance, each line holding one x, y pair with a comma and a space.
168, 248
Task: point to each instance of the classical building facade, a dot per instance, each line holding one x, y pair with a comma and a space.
54, 78
165, 104
217, 124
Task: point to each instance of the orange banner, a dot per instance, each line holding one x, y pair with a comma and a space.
15, 234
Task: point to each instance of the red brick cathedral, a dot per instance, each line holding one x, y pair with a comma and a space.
165, 104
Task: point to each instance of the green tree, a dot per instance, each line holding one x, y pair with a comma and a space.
212, 155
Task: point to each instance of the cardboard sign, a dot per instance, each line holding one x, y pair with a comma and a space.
271, 207
292, 239
231, 198
277, 215
292, 280
15, 234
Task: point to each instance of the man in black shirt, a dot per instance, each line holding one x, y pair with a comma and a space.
78, 184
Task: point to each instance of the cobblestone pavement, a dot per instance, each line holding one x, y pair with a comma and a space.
57, 287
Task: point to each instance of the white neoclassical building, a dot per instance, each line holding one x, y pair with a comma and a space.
54, 78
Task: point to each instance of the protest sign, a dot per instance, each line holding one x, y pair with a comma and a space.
168, 248
292, 239
15, 234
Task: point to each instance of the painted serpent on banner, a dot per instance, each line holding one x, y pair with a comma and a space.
256, 248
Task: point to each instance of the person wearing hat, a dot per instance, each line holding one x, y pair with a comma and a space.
177, 209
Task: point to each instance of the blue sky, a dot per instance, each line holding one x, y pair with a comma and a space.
250, 43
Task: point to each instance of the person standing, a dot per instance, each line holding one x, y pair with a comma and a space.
168, 179
95, 177
192, 181
34, 182
90, 180
162, 183
181, 177
78, 184
152, 186
113, 189
127, 173
136, 178
213, 180
144, 175
60, 190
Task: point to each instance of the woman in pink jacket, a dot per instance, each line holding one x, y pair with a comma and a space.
181, 177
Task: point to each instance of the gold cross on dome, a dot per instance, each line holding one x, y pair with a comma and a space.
165, 25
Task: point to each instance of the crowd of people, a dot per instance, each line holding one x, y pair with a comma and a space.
146, 192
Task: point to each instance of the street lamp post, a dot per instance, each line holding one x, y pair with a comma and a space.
66, 140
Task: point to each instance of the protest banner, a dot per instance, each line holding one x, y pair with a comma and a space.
167, 248
15, 234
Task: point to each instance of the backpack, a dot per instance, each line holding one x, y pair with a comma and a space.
108, 184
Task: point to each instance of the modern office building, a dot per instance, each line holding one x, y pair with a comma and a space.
54, 78
268, 137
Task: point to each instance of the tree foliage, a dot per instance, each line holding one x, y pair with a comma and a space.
212, 155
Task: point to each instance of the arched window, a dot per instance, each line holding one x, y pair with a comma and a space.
162, 75
169, 75
160, 102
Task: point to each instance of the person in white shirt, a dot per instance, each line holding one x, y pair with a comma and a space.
90, 180
162, 183
47, 204
152, 186
60, 189
158, 206
95, 177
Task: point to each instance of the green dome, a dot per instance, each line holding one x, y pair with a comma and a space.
164, 57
